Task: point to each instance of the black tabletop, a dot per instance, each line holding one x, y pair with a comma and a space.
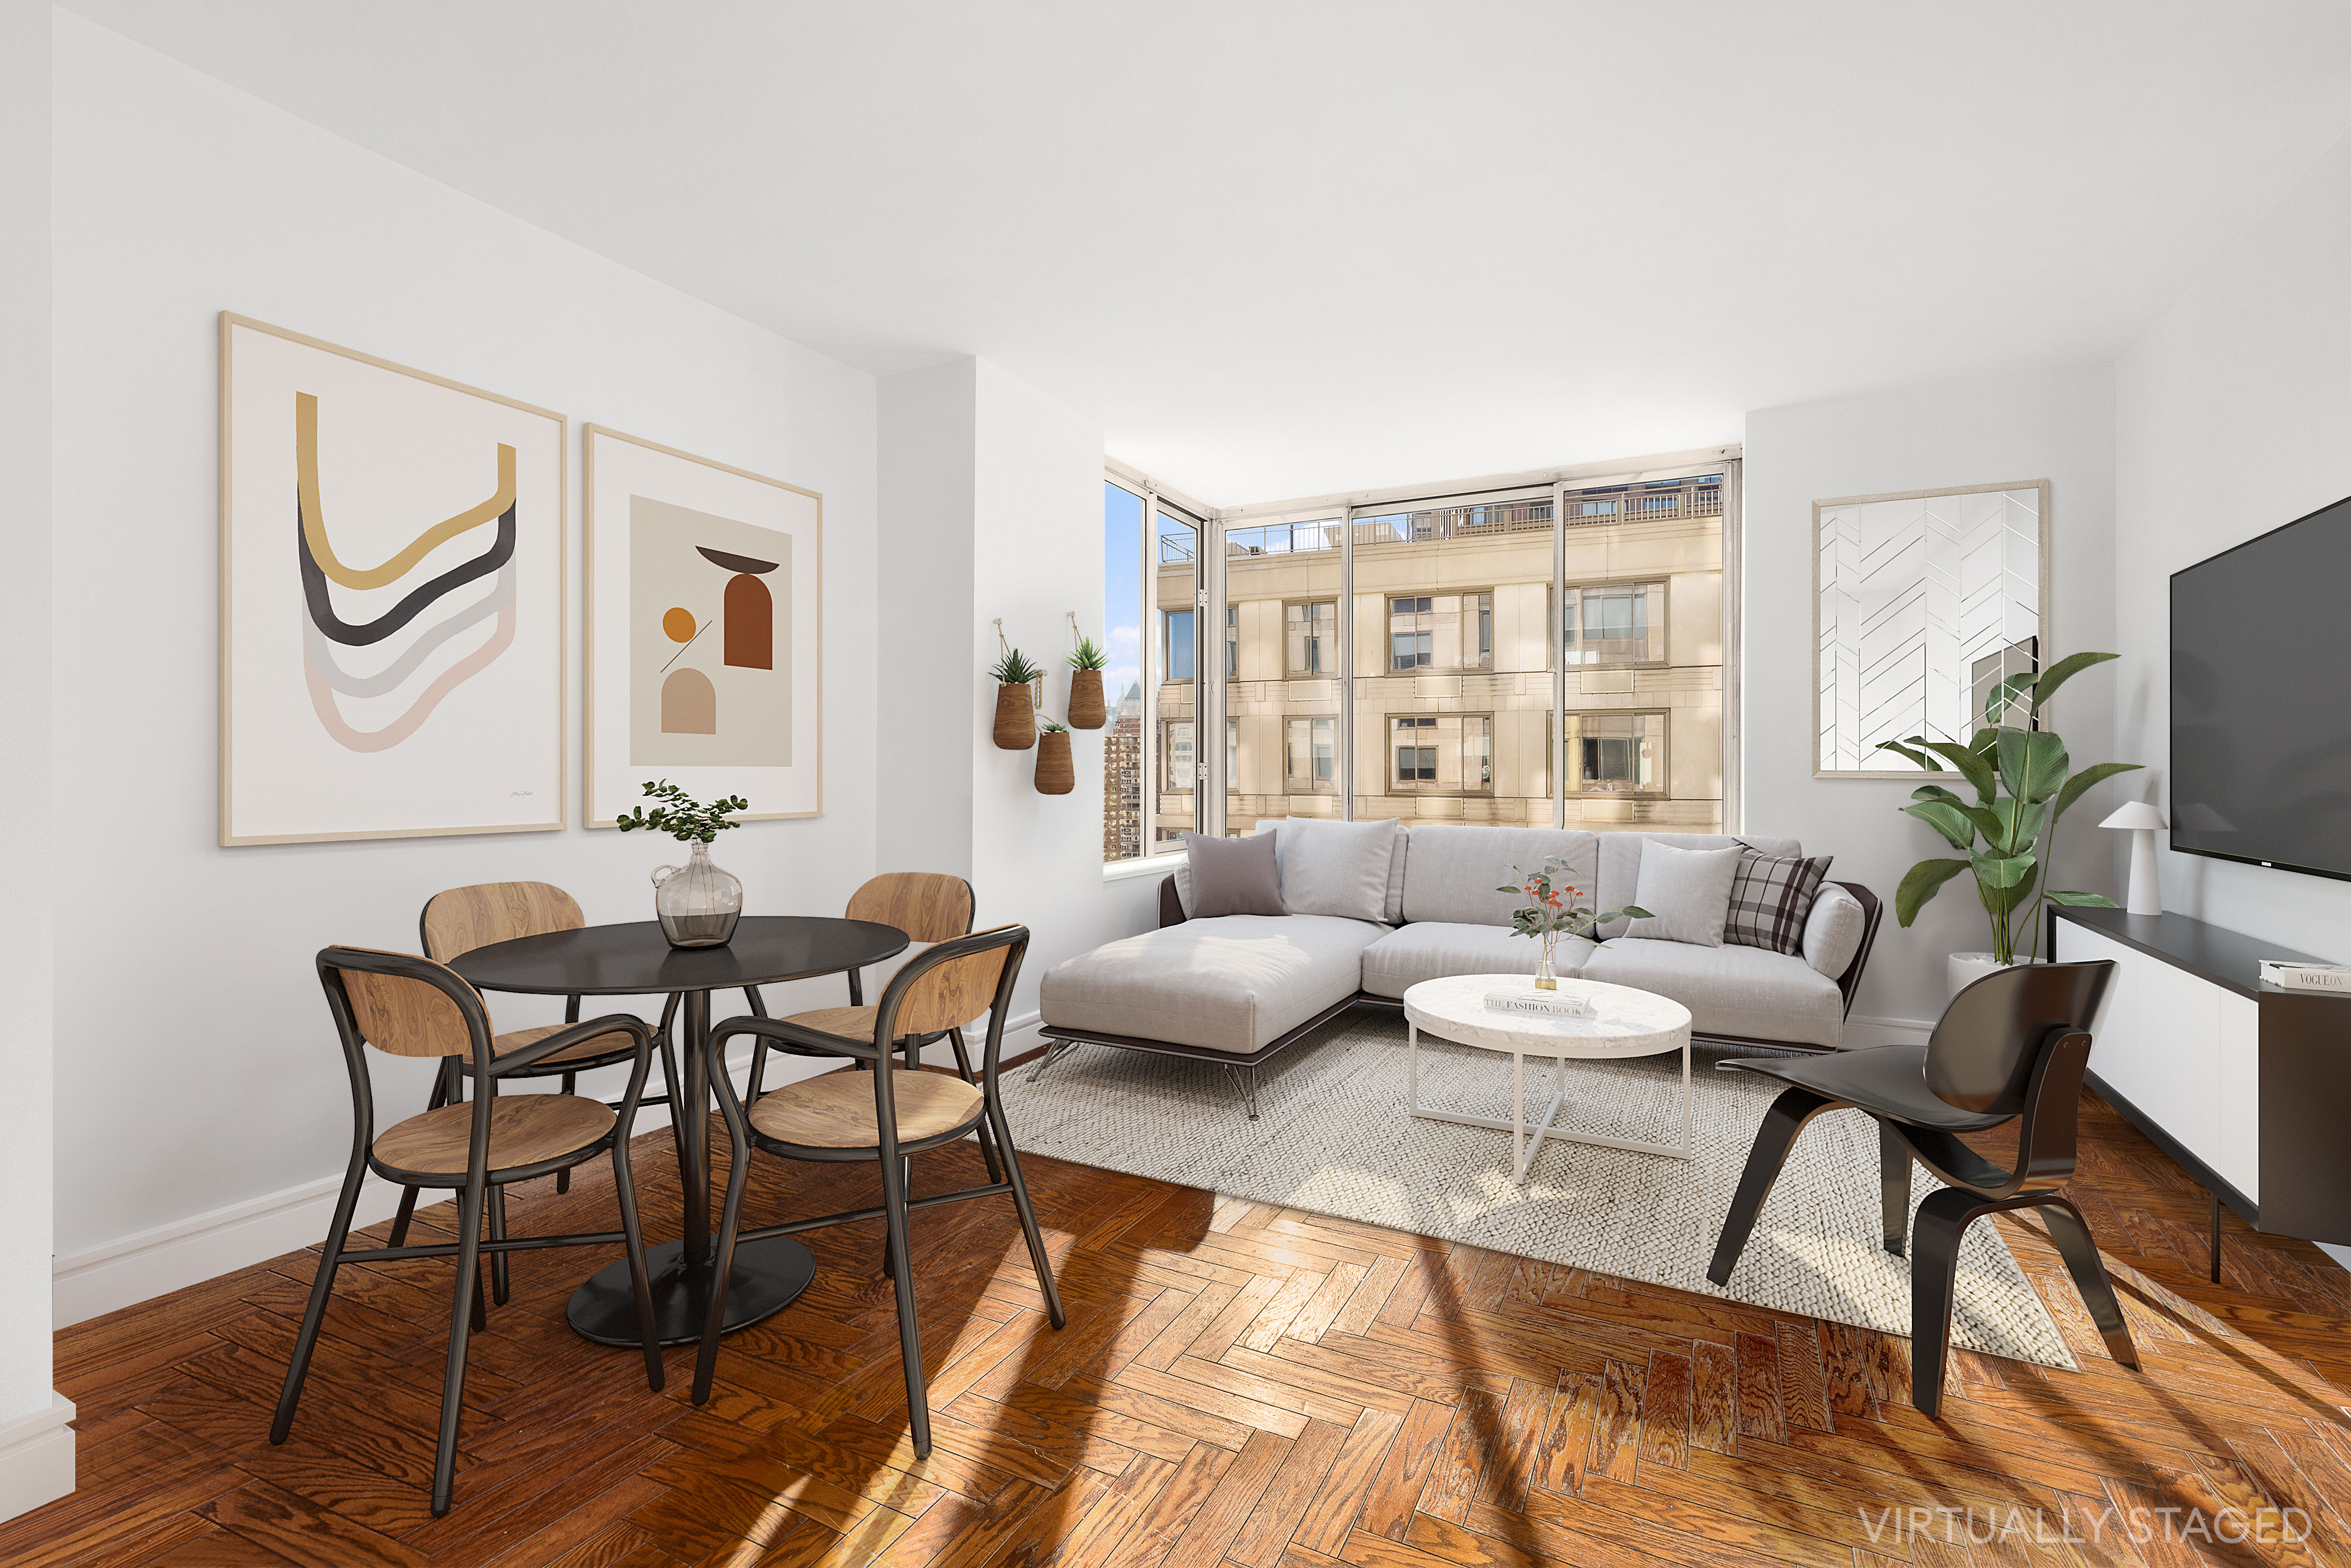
2213, 953
636, 959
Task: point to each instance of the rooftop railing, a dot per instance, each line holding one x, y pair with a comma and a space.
1660, 503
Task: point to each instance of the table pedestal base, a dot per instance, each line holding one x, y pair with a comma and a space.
769, 1276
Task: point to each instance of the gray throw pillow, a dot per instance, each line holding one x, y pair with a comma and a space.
1686, 892
1833, 931
1335, 867
1232, 876
1771, 899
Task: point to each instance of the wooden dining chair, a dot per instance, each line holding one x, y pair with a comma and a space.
2011, 1047
884, 1116
407, 1006
462, 918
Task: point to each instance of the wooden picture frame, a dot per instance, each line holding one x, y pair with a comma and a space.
410, 720
719, 716
2040, 491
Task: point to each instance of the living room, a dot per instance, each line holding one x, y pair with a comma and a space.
1404, 453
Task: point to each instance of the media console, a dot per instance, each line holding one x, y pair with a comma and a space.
2246, 1084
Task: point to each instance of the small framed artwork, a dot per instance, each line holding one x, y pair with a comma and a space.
392, 599
705, 634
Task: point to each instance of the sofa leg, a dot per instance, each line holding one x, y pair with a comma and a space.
1052, 1054
1245, 1082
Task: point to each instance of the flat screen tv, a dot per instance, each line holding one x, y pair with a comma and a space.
2260, 699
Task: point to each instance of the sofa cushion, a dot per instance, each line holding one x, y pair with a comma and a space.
1432, 949
1686, 892
1232, 876
1454, 869
1771, 898
1833, 931
1233, 983
1741, 993
1334, 868
1620, 862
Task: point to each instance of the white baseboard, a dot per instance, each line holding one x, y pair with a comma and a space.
1860, 1034
37, 1458
140, 1266
2340, 1254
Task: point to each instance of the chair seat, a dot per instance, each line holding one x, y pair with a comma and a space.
614, 1044
1890, 1079
524, 1129
836, 1111
850, 1023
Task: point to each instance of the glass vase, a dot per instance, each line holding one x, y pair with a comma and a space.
1546, 977
698, 903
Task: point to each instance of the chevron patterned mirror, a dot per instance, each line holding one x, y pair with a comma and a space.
1923, 602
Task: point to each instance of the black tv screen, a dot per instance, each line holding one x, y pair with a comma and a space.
2261, 710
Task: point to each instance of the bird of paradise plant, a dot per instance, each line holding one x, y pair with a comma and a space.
2023, 782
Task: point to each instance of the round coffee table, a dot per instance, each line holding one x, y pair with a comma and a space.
1626, 1022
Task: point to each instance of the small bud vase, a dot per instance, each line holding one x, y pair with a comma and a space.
698, 903
1546, 979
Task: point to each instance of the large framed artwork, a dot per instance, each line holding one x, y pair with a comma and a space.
1925, 603
392, 599
705, 635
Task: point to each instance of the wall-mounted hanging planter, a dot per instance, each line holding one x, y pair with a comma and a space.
1086, 708
1016, 700
1056, 774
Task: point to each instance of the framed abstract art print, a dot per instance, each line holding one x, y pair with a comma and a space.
705, 637
392, 599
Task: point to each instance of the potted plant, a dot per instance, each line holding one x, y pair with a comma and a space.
2023, 782
1056, 774
698, 904
1554, 913
1087, 710
1016, 700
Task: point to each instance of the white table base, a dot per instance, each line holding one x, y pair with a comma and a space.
1523, 1152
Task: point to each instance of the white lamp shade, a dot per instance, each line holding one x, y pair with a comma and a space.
2137, 814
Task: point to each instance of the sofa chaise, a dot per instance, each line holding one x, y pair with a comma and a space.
1236, 989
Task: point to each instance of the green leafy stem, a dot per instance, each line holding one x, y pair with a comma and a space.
681, 816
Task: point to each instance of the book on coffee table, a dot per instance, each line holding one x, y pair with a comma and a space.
1541, 1004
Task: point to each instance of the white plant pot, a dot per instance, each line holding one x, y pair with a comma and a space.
1965, 968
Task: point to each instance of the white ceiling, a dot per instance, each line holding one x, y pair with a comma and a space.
1279, 249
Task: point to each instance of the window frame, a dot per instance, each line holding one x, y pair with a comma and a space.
1293, 671
1484, 622
1661, 626
1436, 724
1665, 754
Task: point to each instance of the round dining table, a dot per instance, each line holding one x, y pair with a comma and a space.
636, 959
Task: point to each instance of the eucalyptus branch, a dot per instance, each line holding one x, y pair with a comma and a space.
682, 817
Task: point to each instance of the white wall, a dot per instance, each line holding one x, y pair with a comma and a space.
199, 1083
2233, 417
36, 1449
2033, 423
985, 472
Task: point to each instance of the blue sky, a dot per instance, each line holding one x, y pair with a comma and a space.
1122, 631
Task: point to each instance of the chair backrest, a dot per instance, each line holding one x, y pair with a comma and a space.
463, 918
950, 984
404, 1005
928, 906
1983, 1052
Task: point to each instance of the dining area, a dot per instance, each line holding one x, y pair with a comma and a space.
507, 1107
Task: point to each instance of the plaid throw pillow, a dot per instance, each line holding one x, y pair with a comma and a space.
1770, 899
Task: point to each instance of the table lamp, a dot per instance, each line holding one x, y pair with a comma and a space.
2141, 820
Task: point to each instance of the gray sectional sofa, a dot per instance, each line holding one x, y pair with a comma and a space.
1237, 988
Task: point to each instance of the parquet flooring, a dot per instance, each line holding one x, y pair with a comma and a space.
1237, 1385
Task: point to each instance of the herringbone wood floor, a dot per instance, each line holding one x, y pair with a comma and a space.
1237, 1385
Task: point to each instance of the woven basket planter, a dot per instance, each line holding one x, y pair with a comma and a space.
1016, 721
1086, 710
1056, 774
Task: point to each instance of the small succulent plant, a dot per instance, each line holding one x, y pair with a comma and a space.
1089, 655
1015, 669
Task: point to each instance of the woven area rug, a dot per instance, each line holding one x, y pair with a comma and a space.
1333, 1136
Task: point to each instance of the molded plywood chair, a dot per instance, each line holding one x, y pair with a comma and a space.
884, 1116
2013, 1044
407, 1006
463, 918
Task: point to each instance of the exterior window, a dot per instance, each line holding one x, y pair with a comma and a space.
1441, 632
1176, 656
1448, 754
1175, 746
1313, 633
1616, 753
1310, 765
1232, 641
1615, 623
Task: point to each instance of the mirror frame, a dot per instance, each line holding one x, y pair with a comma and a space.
1814, 740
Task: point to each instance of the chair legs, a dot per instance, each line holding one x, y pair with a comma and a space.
722, 1257
902, 1285
461, 1322
1037, 1258
640, 1282
1782, 1125
321, 1286
563, 1176
1943, 1220
501, 1275
1894, 1183
986, 1136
